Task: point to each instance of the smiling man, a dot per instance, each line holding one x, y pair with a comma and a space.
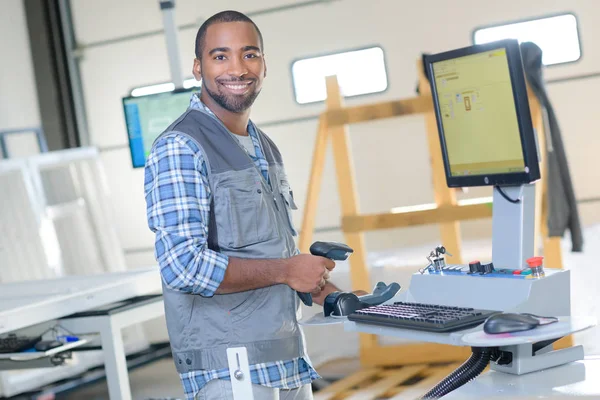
220, 204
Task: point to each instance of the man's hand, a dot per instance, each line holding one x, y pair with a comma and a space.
307, 273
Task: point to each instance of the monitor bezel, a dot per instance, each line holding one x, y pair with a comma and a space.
521, 101
189, 90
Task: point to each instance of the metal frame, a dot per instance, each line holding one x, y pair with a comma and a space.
110, 327
39, 133
239, 371
167, 8
72, 59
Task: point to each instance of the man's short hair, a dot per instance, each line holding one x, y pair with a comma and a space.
223, 16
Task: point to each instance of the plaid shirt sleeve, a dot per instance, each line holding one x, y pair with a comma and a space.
178, 205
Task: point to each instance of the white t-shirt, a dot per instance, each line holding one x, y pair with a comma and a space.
247, 143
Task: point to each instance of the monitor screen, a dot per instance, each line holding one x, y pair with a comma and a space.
483, 116
148, 116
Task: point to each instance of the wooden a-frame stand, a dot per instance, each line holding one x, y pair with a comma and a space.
447, 211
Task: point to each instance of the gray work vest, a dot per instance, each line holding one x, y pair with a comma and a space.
248, 219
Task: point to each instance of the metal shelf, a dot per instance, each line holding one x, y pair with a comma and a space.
41, 359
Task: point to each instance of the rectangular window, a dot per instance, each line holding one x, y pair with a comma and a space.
358, 72
557, 36
163, 87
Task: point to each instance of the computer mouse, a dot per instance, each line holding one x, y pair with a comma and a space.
509, 322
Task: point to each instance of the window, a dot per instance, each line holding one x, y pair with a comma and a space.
358, 72
557, 36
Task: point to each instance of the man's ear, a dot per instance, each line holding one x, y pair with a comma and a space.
197, 69
265, 75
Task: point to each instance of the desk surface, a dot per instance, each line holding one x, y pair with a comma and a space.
476, 337
24, 304
576, 379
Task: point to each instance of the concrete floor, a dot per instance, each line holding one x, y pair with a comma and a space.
157, 380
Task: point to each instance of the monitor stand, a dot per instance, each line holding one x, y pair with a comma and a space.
513, 226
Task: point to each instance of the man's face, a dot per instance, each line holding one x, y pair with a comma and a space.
232, 67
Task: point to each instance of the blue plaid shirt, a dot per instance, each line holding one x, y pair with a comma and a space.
178, 204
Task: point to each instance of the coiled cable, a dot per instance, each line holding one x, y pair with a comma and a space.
470, 369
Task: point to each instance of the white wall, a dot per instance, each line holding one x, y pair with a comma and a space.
18, 95
391, 156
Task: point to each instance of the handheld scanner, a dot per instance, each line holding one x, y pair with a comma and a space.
333, 251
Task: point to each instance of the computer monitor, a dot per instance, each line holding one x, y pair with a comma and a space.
482, 111
148, 116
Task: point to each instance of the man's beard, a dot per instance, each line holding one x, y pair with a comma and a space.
232, 103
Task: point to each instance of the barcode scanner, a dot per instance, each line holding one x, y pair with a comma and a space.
333, 251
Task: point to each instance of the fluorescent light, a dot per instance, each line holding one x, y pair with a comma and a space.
358, 72
153, 89
557, 36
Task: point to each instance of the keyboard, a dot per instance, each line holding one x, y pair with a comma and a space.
14, 344
423, 317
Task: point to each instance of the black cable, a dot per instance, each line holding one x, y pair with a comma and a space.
514, 201
469, 370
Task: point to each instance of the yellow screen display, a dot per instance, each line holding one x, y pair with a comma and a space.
478, 114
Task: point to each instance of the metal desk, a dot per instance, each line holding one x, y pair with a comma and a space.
26, 304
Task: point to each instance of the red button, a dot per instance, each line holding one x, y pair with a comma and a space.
517, 272
535, 261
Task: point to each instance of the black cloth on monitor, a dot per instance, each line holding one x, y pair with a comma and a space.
562, 204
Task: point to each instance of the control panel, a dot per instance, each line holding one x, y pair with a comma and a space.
494, 273
437, 265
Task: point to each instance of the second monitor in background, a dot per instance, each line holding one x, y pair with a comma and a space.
483, 116
148, 116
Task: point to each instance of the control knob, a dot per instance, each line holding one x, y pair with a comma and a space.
487, 268
474, 267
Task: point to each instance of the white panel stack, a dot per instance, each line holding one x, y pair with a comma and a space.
28, 245
75, 196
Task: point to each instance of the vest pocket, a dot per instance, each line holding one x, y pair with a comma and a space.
246, 212
250, 302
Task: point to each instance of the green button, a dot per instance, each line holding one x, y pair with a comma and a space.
526, 272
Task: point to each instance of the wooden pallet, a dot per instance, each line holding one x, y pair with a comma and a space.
404, 383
